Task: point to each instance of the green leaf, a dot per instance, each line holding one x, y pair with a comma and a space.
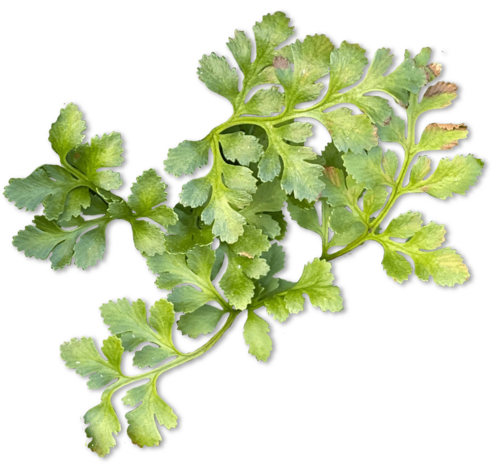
149, 356
269, 198
316, 283
404, 226
346, 66
265, 102
51, 185
81, 355
47, 237
188, 231
67, 132
346, 226
76, 202
244, 265
240, 47
428, 237
148, 238
187, 157
374, 200
375, 108
296, 132
270, 33
349, 132
406, 77
277, 308
217, 75
89, 249
256, 336
194, 268
396, 266
218, 263
119, 209
227, 188
275, 259
142, 427
147, 192
437, 96
451, 176
332, 156
394, 130
372, 169
423, 57
130, 323
239, 147
335, 192
441, 136
103, 425
419, 170
340, 191
300, 175
444, 265
311, 62
390, 163
187, 299
102, 153
203, 321
307, 219
431, 70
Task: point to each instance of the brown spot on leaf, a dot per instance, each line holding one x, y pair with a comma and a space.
447, 127
450, 127
77, 156
387, 121
403, 104
245, 254
428, 75
332, 174
280, 63
436, 68
440, 88
449, 145
375, 131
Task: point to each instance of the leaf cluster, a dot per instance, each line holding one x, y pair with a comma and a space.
217, 252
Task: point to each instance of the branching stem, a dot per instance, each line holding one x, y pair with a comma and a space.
398, 189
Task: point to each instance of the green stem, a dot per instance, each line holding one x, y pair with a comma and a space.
325, 224
180, 360
397, 190
86, 181
348, 248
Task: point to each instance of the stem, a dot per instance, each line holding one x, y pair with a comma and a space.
355, 243
325, 222
181, 359
397, 190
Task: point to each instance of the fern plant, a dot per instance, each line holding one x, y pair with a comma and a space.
260, 162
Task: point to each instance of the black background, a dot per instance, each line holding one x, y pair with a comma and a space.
401, 365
